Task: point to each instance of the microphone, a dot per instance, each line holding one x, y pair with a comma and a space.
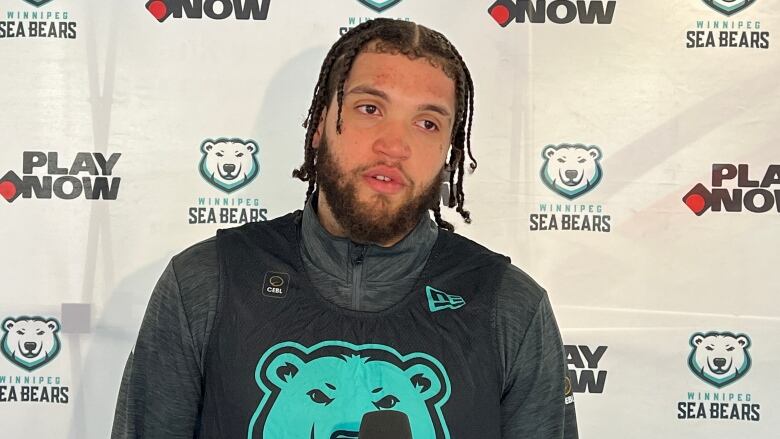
385, 424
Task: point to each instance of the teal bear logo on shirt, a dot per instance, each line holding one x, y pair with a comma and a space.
323, 391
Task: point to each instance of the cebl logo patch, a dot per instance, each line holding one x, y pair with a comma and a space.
439, 300
276, 284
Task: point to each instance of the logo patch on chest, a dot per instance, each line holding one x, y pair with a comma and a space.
439, 300
276, 284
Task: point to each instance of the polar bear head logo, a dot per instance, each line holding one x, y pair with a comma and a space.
30, 342
323, 392
229, 164
729, 7
719, 358
571, 170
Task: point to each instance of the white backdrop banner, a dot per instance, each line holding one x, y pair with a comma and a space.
666, 251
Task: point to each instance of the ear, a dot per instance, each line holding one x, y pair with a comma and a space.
251, 147
282, 369
207, 146
317, 137
53, 325
743, 341
594, 153
424, 380
548, 152
696, 339
8, 324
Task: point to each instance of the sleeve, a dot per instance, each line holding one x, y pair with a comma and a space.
534, 403
160, 393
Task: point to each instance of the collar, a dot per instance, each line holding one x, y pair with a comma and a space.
335, 255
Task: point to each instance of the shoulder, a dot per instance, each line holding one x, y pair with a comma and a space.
196, 271
465, 252
519, 292
515, 288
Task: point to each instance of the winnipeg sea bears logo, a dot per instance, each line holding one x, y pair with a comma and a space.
729, 7
324, 390
571, 170
30, 342
719, 358
37, 3
727, 32
379, 5
229, 164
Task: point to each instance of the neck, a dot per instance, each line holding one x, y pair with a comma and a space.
329, 223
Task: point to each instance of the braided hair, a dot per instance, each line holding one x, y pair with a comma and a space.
415, 41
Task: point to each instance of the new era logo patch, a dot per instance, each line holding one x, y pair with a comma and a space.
439, 300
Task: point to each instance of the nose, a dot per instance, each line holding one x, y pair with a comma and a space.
720, 362
570, 174
29, 345
230, 168
393, 141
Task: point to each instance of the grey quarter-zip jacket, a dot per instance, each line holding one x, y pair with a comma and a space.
162, 385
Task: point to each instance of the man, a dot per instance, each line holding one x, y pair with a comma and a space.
299, 326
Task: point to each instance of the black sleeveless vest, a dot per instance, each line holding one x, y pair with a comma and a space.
282, 362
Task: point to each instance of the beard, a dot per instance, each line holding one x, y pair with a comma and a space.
372, 221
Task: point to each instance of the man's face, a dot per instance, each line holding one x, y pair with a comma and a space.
383, 170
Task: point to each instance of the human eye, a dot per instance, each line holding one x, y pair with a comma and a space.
368, 109
428, 125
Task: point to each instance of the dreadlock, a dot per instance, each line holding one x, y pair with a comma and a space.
414, 41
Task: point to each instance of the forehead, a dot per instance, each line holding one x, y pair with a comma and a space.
719, 339
402, 77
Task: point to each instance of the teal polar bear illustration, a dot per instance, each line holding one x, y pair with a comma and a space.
323, 391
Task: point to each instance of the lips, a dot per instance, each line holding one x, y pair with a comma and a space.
385, 179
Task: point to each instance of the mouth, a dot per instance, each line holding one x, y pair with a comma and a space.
30, 353
571, 181
344, 434
385, 179
227, 175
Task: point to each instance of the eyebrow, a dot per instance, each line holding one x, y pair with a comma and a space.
365, 89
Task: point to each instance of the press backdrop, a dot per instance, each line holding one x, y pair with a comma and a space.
673, 106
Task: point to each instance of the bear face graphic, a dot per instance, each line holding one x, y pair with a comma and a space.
729, 7
229, 164
323, 392
719, 358
571, 170
30, 342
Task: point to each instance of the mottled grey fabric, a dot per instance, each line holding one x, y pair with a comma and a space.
160, 395
383, 276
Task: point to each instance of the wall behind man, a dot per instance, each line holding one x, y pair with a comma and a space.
88, 82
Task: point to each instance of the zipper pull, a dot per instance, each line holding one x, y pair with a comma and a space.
361, 255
